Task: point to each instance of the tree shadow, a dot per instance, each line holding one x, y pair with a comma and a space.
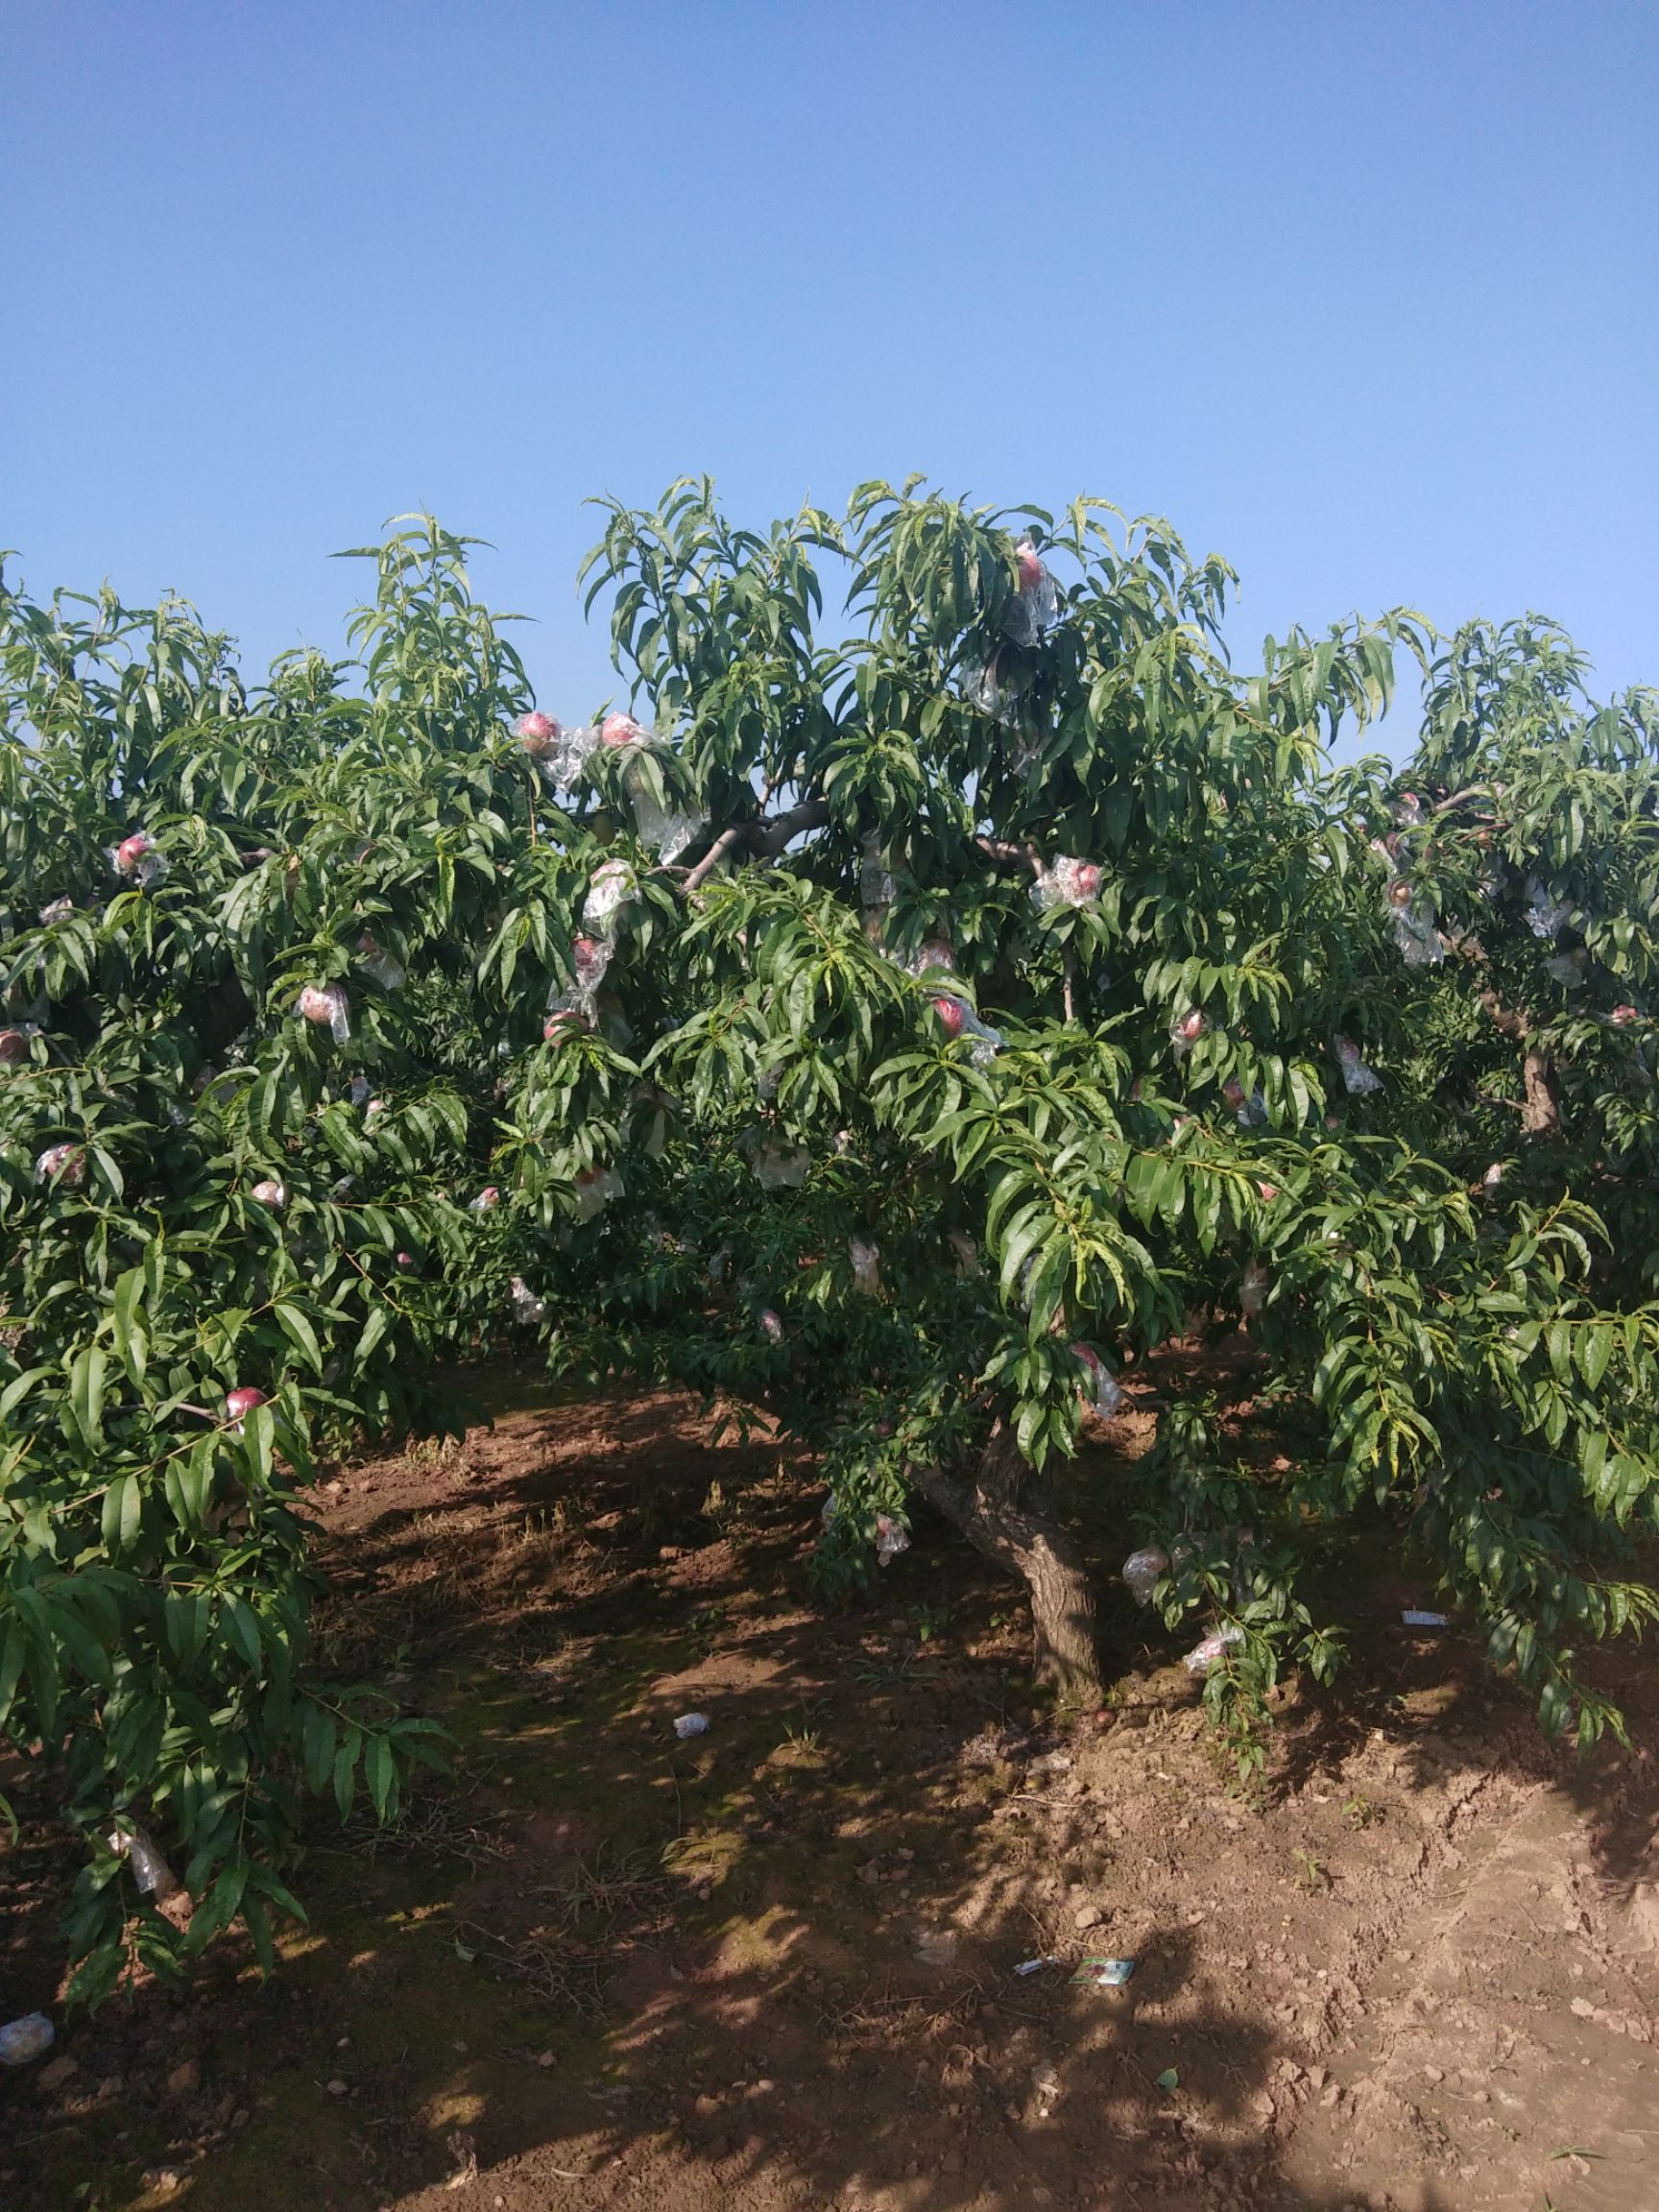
778, 1960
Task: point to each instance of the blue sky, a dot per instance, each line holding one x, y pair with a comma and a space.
1365, 298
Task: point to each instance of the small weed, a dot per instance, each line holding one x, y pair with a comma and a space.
929, 1621
1358, 1813
1311, 1873
803, 1740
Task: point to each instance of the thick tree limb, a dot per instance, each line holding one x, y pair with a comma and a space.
764, 838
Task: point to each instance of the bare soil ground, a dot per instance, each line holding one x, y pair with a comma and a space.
774, 1966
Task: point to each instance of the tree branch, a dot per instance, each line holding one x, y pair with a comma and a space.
764, 838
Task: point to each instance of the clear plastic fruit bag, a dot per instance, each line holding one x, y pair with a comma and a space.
1356, 1078
328, 1005
1065, 881
1034, 607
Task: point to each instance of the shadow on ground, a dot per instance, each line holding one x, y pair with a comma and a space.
776, 1963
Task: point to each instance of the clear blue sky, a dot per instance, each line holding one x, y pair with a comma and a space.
1365, 296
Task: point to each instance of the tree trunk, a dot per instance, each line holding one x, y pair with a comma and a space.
1007, 1512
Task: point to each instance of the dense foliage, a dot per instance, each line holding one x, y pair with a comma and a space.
904, 1035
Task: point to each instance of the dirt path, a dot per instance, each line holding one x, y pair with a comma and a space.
774, 1966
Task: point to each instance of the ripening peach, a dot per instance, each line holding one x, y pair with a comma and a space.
537, 733
952, 1014
239, 1403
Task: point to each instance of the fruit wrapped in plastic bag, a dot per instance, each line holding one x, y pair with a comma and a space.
770, 1328
1250, 1113
60, 911
65, 1164
149, 1870
1568, 968
1410, 811
528, 1310
991, 689
1187, 1028
570, 1014
1413, 923
1546, 917
935, 956
1102, 1391
866, 1262
538, 733
1034, 607
596, 1188
666, 830
1625, 1017
614, 885
270, 1193
1066, 882
1356, 1078
375, 960
328, 1005
1213, 1651
487, 1200
776, 1169
891, 1538
137, 861
1141, 1570
1254, 1285
620, 731
15, 1042
959, 1020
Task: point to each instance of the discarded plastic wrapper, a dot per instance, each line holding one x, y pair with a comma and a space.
1253, 1288
1214, 1649
65, 1164
1066, 882
328, 1004
1034, 607
1356, 1078
890, 1539
1036, 1965
149, 1870
1141, 1570
960, 1020
21, 2040
528, 1310
375, 960
775, 1170
1546, 917
1493, 1177
1103, 1973
1185, 1030
1415, 1620
1101, 1389
612, 887
690, 1724
594, 1190
60, 911
866, 1262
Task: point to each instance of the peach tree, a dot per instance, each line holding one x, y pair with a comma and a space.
902, 1032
